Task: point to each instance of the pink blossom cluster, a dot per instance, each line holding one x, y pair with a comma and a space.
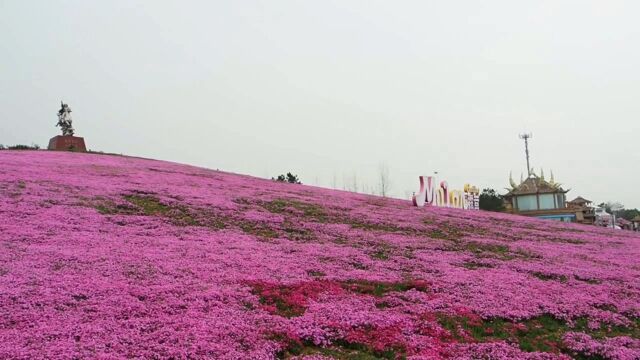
112, 257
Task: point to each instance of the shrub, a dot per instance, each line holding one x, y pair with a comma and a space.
289, 178
491, 201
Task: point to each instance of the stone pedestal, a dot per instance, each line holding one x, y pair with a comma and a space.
67, 143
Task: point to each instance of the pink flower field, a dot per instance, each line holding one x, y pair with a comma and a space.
119, 257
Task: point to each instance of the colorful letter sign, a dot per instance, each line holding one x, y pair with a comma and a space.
440, 195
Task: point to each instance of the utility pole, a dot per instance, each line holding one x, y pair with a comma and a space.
526, 137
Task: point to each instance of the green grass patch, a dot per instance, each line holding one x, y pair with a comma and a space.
359, 265
242, 201
549, 277
474, 265
409, 253
260, 230
287, 206
437, 234
607, 307
316, 273
610, 330
340, 241
381, 253
340, 350
280, 305
379, 289
383, 305
490, 250
297, 233
526, 254
444, 231
499, 251
587, 280
565, 240
150, 205
542, 333
314, 213
108, 207
376, 226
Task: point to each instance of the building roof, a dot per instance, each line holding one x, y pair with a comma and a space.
536, 185
636, 219
622, 221
580, 200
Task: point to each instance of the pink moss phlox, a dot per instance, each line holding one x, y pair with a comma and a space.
121, 257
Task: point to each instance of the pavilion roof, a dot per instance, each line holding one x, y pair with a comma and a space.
536, 185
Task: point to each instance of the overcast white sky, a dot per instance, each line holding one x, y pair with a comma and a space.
334, 88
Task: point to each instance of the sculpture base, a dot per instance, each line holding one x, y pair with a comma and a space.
67, 143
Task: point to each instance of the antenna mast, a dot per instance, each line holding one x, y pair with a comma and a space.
526, 137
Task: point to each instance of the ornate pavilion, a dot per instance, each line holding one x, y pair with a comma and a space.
537, 197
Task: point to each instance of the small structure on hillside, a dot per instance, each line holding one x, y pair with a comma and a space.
624, 224
635, 223
585, 212
602, 217
66, 141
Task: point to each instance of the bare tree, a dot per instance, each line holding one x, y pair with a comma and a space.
350, 183
384, 182
611, 206
367, 189
354, 183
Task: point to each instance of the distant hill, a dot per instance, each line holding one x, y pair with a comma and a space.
111, 256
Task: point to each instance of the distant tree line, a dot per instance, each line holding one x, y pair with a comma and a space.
616, 208
20, 147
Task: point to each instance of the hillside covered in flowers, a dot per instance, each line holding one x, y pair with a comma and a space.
119, 257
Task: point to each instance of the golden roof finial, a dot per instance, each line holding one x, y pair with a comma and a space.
511, 182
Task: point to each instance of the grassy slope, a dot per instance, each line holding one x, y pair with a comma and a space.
118, 256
